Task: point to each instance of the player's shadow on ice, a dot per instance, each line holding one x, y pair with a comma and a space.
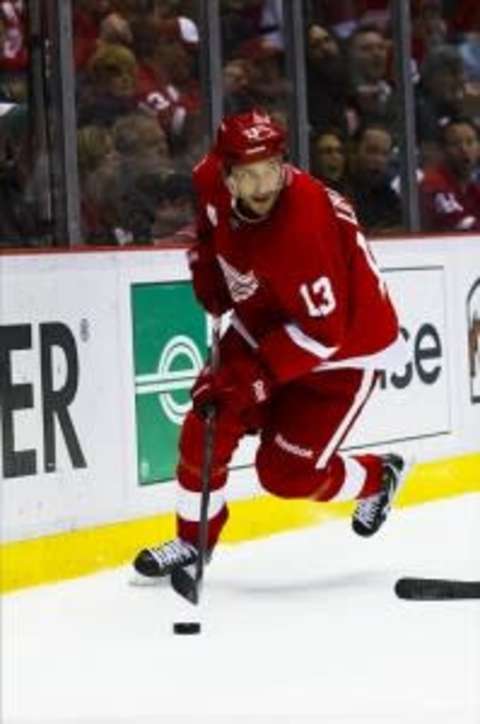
358, 581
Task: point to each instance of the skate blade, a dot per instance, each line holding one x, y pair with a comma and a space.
136, 578
138, 581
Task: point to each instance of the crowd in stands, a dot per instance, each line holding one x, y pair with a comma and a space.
141, 123
356, 118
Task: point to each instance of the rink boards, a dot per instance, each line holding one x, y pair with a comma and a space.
98, 352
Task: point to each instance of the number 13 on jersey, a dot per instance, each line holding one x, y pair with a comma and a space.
319, 297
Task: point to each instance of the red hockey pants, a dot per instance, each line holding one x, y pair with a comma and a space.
302, 427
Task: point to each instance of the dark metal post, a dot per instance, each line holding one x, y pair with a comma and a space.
294, 34
211, 63
64, 139
401, 22
38, 99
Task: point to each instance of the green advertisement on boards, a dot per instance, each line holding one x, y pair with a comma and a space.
170, 346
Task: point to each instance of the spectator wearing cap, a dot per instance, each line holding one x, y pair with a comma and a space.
449, 194
180, 28
166, 81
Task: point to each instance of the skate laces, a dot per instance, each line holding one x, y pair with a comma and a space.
176, 552
368, 509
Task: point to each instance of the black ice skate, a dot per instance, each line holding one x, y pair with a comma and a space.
373, 511
159, 561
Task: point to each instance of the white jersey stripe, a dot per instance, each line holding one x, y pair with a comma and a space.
342, 429
189, 503
243, 331
305, 342
392, 357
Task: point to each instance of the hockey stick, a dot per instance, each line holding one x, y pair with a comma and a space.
436, 589
183, 582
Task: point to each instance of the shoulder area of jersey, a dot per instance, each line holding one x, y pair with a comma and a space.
341, 205
302, 186
209, 165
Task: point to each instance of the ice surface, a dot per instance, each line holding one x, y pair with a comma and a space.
297, 628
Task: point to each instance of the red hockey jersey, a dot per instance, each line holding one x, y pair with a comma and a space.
302, 283
446, 205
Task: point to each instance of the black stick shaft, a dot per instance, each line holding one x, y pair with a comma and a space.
205, 496
436, 589
183, 583
207, 463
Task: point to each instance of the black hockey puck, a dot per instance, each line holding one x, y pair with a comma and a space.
187, 627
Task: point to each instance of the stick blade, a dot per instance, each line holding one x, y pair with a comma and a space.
436, 589
185, 585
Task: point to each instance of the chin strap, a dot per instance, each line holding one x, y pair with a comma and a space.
244, 217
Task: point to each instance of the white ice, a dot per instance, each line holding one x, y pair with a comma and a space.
299, 627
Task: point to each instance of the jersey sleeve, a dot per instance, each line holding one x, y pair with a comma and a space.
207, 277
310, 283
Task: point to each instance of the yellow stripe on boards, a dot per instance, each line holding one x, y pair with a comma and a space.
69, 555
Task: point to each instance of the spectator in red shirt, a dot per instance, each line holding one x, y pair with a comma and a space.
171, 97
450, 197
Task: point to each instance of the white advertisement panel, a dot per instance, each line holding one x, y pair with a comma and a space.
413, 401
62, 436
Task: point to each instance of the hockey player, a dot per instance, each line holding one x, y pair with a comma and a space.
311, 324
